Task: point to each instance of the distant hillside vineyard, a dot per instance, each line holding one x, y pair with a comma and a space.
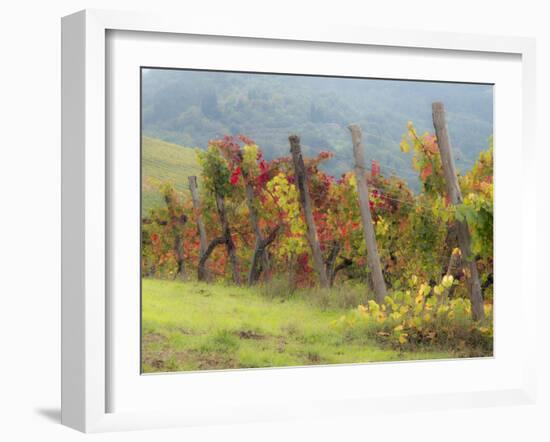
191, 107
164, 162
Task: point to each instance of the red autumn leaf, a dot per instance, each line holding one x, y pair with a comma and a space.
235, 176
263, 176
302, 260
343, 231
246, 140
430, 144
426, 172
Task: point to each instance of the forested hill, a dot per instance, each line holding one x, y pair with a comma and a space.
191, 107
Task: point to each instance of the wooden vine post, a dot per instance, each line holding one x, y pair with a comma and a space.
305, 202
455, 196
368, 230
197, 209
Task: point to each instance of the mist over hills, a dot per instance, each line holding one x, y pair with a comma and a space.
191, 107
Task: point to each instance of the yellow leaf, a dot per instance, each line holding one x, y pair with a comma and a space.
447, 281
373, 306
404, 146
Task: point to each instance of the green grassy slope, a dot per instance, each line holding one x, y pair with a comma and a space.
164, 162
194, 326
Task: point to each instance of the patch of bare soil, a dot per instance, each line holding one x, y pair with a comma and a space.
250, 334
150, 357
213, 361
281, 344
152, 338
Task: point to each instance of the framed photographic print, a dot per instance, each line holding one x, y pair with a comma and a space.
291, 223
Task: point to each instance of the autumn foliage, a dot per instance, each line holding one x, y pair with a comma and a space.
413, 229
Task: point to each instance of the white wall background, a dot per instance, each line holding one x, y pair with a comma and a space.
30, 214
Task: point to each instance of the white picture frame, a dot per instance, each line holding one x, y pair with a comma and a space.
86, 354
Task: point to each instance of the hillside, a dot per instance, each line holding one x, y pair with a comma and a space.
164, 162
192, 107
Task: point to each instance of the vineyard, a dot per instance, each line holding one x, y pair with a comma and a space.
258, 262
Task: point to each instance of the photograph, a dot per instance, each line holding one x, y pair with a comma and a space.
303, 220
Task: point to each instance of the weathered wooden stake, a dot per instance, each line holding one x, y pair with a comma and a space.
198, 217
305, 202
455, 196
368, 230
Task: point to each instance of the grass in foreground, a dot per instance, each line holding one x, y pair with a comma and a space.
195, 326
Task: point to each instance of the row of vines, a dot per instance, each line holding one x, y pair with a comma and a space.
245, 224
